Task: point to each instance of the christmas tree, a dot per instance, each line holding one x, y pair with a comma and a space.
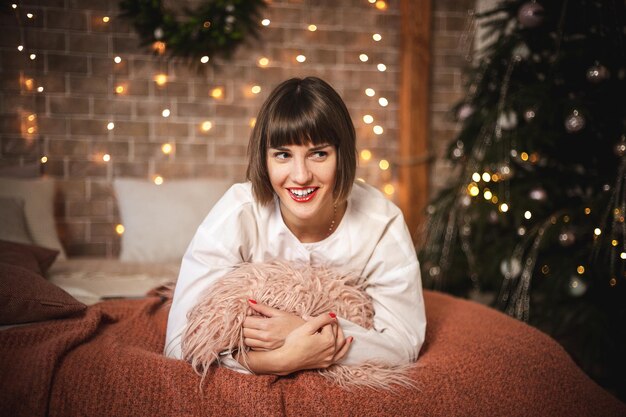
533, 218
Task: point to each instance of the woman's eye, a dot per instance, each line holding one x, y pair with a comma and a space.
320, 154
281, 155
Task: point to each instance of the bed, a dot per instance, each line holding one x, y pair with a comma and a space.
84, 337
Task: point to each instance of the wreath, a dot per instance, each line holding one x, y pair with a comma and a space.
214, 29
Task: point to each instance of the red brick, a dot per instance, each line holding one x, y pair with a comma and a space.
75, 230
107, 66
56, 168
113, 106
230, 151
171, 89
72, 189
128, 45
52, 83
82, 42
16, 60
52, 126
68, 105
126, 128
67, 63
118, 150
65, 19
191, 151
60, 148
203, 109
171, 129
89, 85
228, 110
137, 169
92, 209
88, 127
39, 39
172, 170
83, 169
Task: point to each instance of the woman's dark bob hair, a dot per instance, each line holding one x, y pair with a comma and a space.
298, 112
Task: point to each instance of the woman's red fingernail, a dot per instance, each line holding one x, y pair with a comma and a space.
333, 315
350, 339
251, 300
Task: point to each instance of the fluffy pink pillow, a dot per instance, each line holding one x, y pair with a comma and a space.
215, 324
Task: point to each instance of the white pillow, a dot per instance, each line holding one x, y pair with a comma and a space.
160, 220
38, 197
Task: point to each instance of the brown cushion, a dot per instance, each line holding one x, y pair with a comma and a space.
11, 252
26, 296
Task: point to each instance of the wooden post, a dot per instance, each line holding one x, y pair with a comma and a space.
413, 158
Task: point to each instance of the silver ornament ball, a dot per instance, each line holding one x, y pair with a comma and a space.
597, 73
575, 122
530, 15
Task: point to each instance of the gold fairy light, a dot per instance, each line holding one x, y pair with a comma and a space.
524, 156
32, 57
106, 157
110, 126
389, 189
613, 282
312, 28
119, 229
383, 165
486, 177
44, 159
614, 242
14, 6
204, 59
487, 194
370, 92
40, 89
364, 57
166, 148
166, 113
159, 47
381, 5
368, 119
29, 83
377, 37
206, 125
217, 93
378, 130
263, 62
494, 199
383, 102
158, 180
265, 22
117, 59
30, 130
527, 215
31, 117
504, 207
587, 211
580, 269
622, 255
120, 89
366, 154
472, 189
301, 58
20, 48
105, 19
252, 122
597, 231
476, 177
255, 89
160, 79
30, 15
381, 67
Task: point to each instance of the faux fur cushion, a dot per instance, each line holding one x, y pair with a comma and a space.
215, 324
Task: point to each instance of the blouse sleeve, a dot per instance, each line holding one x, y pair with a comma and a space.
395, 286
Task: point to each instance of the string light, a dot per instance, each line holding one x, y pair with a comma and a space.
487, 194
117, 59
159, 47
106, 157
105, 19
504, 207
381, 67
44, 159
14, 6
119, 229
32, 117
363, 57
20, 48
389, 189
300, 58
383, 102
40, 89
580, 269
377, 37
111, 126
368, 119
476, 176
158, 180
366, 155
622, 255
587, 211
165, 113
166, 148
30, 15
160, 79
524, 156
472, 189
383, 164
527, 215
204, 59
265, 22
252, 122
614, 242
217, 92
312, 28
372, 1
206, 126
32, 57
120, 89
263, 62
255, 89
597, 231
29, 83
370, 92
486, 177
30, 130
378, 130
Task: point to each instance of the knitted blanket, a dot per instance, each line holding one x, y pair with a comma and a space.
215, 324
109, 362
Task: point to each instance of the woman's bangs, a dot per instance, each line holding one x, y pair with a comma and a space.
296, 127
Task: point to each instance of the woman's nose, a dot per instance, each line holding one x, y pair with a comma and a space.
301, 174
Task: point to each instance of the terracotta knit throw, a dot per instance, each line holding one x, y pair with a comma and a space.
215, 324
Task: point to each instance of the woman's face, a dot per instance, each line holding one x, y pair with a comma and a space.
303, 177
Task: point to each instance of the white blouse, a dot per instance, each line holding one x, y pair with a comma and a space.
371, 240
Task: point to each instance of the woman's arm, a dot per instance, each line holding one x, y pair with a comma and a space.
316, 344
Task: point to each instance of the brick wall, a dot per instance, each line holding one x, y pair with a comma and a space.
453, 35
74, 64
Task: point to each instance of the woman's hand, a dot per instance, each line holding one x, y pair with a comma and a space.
268, 332
316, 344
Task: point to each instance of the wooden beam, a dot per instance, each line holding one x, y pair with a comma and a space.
414, 114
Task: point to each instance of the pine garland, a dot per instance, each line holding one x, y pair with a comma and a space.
214, 29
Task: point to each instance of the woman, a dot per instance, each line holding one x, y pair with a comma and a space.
301, 204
